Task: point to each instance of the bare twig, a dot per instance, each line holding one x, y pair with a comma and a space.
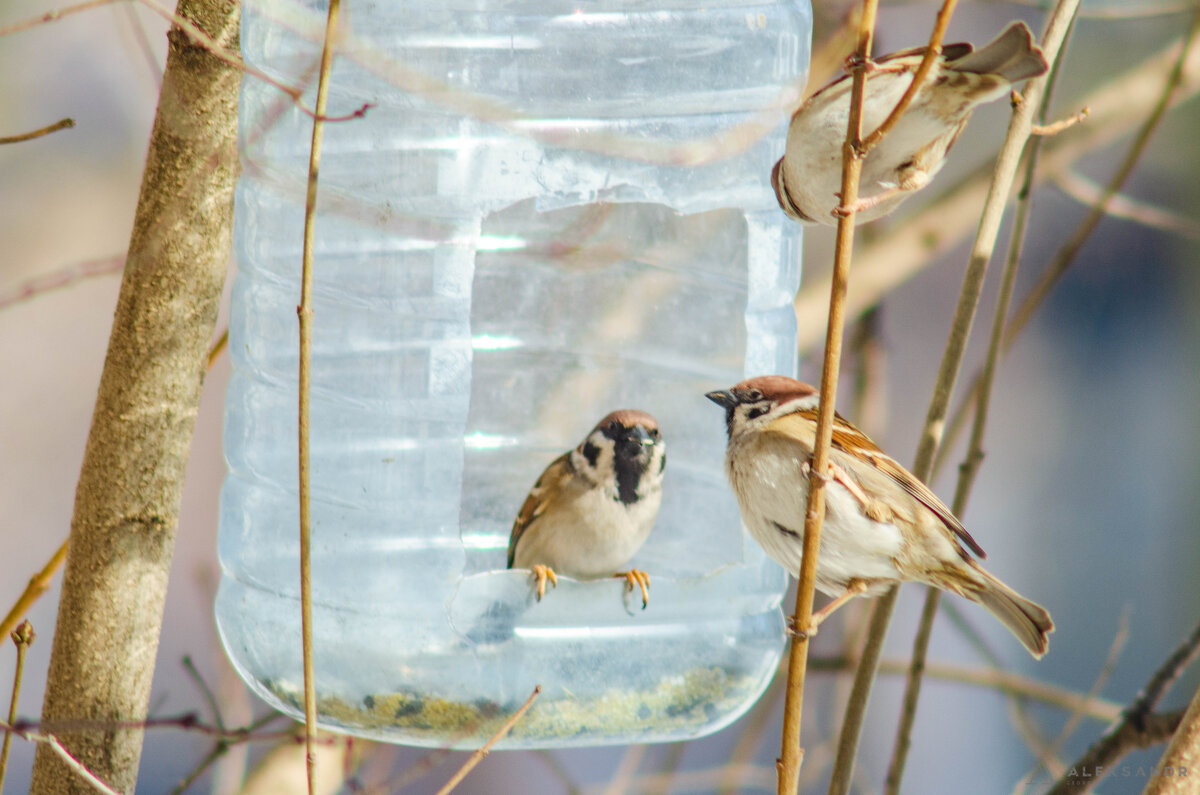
218, 347
1168, 95
198, 36
1047, 754
1046, 130
480, 753
22, 637
149, 58
974, 456
38, 584
61, 124
1135, 727
222, 746
960, 331
1118, 10
305, 314
933, 51
1177, 768
73, 764
1086, 191
996, 679
626, 770
748, 778
1023, 722
560, 772
62, 278
792, 755
753, 727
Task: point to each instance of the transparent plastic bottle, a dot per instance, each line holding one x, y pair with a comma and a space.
485, 291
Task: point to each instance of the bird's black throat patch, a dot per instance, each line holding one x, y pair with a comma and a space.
629, 475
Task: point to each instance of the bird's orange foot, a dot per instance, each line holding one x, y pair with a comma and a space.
636, 578
541, 574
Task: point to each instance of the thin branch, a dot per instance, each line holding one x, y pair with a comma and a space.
222, 747
480, 753
1065, 256
187, 721
560, 772
38, 585
1118, 10
974, 456
1087, 192
77, 767
218, 347
1181, 757
792, 754
153, 67
205, 691
1090, 769
1047, 130
748, 778
671, 760
933, 51
1003, 681
753, 728
199, 37
626, 770
62, 278
1133, 731
1023, 722
305, 314
22, 637
989, 225
1049, 753
61, 124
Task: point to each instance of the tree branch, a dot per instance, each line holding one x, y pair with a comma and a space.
127, 500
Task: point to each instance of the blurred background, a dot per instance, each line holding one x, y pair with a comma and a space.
1085, 502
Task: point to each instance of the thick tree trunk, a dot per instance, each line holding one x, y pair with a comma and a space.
127, 501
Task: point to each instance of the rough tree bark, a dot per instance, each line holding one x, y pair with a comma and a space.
127, 500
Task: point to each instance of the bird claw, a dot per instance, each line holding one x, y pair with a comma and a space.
541, 574
636, 578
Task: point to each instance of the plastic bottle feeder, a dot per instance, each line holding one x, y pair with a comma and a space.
504, 253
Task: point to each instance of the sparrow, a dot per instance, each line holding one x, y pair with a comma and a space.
808, 178
593, 507
882, 525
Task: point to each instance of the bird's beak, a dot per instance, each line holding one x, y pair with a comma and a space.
641, 436
723, 398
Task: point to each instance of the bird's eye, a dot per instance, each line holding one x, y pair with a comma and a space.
753, 396
614, 426
755, 413
654, 433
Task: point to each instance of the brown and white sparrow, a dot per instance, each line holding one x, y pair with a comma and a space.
808, 178
593, 507
882, 525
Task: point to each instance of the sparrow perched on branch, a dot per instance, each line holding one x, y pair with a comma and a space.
808, 178
593, 507
882, 525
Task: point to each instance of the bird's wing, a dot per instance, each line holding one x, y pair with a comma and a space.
551, 482
852, 441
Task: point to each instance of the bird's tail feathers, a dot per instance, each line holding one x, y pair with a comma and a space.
1012, 55
1027, 620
